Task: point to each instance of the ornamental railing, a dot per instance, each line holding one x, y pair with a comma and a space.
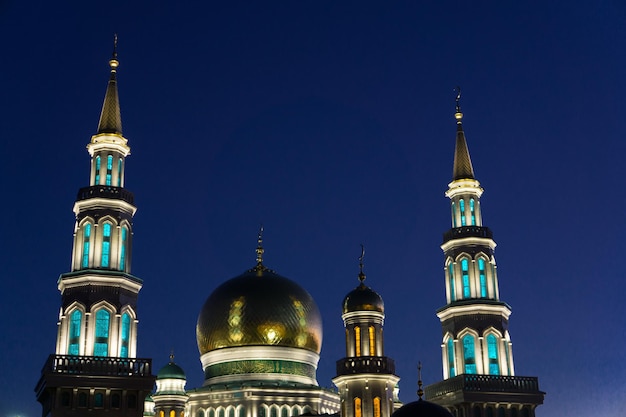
484, 383
105, 191
98, 366
467, 231
366, 364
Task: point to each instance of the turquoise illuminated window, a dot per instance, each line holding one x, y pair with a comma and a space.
109, 169
462, 208
469, 355
451, 358
86, 243
483, 280
119, 172
465, 274
125, 335
472, 212
451, 281
101, 345
123, 248
75, 322
98, 400
106, 245
453, 215
492, 351
97, 170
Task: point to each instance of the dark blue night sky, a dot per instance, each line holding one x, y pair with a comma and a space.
330, 122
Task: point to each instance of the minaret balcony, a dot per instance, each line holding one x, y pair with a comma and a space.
97, 366
366, 365
467, 231
470, 385
105, 191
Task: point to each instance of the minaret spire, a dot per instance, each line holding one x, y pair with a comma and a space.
110, 117
462, 162
361, 274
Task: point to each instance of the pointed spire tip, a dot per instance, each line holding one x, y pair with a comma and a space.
361, 274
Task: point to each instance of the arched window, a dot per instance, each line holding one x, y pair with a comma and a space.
86, 243
211, 413
453, 215
372, 334
473, 212
125, 335
76, 319
97, 181
451, 358
462, 209
469, 354
65, 399
492, 352
489, 411
200, 413
172, 413
231, 412
109, 169
106, 245
357, 340
451, 281
119, 172
483, 279
123, 248
284, 412
306, 410
131, 401
82, 399
115, 400
274, 411
220, 412
101, 345
477, 412
98, 400
465, 275
241, 411
357, 407
260, 411
513, 412
501, 411
376, 404
161, 413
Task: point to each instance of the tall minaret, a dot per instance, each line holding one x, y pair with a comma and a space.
475, 321
365, 377
97, 329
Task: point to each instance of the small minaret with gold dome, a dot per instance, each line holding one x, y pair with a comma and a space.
94, 368
476, 347
365, 378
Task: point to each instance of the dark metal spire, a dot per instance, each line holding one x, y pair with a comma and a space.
462, 168
361, 274
420, 390
110, 117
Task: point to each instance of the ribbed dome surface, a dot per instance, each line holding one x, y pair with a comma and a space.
259, 308
171, 371
363, 298
421, 408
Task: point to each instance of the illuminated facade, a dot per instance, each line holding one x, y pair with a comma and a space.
259, 334
365, 377
478, 370
94, 367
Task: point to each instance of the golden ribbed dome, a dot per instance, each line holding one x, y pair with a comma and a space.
259, 308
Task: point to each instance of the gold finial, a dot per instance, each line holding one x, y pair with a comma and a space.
114, 63
361, 274
259, 248
458, 115
420, 391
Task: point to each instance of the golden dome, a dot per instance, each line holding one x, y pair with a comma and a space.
259, 308
363, 298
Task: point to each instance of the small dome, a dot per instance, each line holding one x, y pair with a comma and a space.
421, 408
171, 371
363, 298
259, 308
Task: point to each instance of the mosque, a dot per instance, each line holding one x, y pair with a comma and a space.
260, 358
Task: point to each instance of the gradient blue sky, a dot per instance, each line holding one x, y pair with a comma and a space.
332, 124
